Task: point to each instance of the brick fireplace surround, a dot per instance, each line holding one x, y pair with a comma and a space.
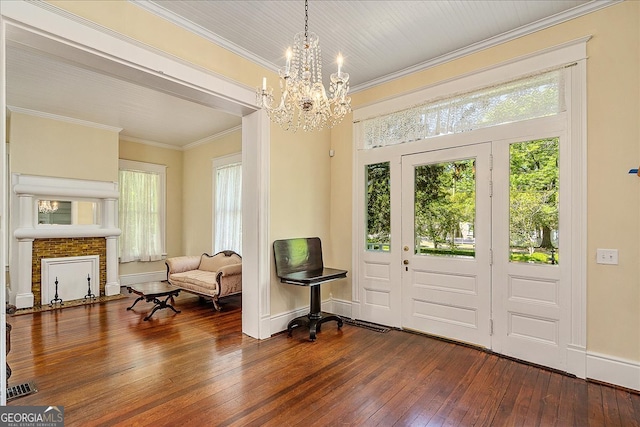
58, 248
32, 241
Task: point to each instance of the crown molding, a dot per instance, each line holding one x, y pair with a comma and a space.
160, 11
559, 18
542, 24
149, 142
186, 147
20, 110
212, 137
101, 28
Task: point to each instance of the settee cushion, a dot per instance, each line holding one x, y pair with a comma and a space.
180, 264
216, 262
197, 280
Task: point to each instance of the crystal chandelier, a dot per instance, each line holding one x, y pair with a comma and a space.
47, 206
304, 102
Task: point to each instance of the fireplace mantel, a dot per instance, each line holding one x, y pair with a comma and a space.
27, 190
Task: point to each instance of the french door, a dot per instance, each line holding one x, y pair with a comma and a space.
478, 257
446, 243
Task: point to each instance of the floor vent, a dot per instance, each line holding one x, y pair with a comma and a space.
367, 325
20, 390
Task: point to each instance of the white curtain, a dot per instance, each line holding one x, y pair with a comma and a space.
228, 215
139, 216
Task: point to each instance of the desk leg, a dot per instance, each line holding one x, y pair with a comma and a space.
315, 318
315, 314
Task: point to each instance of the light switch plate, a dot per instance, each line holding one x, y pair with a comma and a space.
607, 256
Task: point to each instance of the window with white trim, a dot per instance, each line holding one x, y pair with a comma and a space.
227, 203
141, 211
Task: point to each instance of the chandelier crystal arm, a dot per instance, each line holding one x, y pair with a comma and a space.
304, 102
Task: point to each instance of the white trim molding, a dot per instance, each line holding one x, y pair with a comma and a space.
589, 7
546, 59
340, 307
150, 276
613, 370
64, 119
279, 322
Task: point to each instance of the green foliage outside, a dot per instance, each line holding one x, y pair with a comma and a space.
445, 205
533, 194
445, 193
378, 177
445, 198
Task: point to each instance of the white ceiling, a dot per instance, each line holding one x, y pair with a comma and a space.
380, 40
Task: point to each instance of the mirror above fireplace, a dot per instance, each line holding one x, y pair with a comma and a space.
67, 212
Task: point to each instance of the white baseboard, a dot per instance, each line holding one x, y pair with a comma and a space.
280, 321
152, 276
577, 360
24, 300
613, 370
340, 307
112, 289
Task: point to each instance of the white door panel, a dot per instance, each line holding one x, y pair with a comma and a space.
377, 285
446, 295
378, 292
531, 300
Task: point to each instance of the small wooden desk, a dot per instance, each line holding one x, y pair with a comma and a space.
299, 262
152, 292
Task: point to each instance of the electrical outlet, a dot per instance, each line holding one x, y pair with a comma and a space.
607, 256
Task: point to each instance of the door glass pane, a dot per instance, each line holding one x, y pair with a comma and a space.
378, 181
445, 209
533, 197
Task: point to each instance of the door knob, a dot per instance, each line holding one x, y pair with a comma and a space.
405, 262
406, 248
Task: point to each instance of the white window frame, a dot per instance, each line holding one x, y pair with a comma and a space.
215, 164
161, 170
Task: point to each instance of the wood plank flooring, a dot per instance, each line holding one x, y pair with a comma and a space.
108, 367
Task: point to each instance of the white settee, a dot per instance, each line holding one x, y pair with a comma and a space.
211, 276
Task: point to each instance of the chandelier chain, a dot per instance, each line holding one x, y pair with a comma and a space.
306, 20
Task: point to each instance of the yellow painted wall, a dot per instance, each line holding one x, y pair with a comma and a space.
613, 211
173, 160
197, 191
613, 73
338, 248
41, 146
125, 17
613, 147
300, 200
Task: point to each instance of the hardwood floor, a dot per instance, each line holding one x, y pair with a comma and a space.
108, 367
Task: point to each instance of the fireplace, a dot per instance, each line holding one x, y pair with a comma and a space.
68, 278
34, 241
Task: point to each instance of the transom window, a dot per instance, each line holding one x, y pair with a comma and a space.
531, 97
